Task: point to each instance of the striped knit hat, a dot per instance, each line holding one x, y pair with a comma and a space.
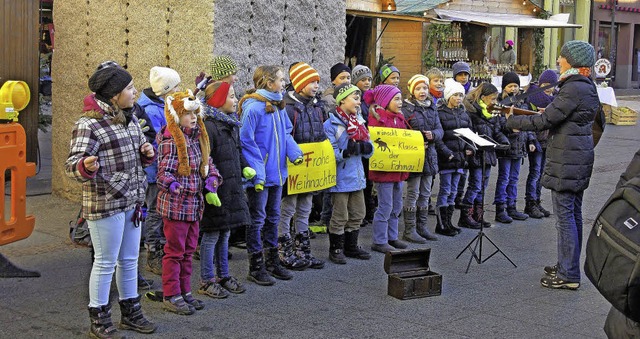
343, 91
222, 66
386, 70
415, 81
301, 74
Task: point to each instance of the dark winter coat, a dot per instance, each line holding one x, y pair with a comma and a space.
451, 119
519, 141
226, 154
484, 127
569, 119
307, 118
425, 118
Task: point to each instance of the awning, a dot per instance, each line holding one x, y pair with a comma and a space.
386, 15
416, 6
506, 20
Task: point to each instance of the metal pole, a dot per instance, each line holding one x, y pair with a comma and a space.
612, 53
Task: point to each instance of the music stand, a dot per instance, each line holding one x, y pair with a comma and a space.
479, 144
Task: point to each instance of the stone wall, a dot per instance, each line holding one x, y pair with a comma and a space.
183, 35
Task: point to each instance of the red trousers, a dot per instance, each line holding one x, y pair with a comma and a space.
182, 239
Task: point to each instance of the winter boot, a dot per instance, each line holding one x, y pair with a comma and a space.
542, 209
144, 283
422, 228
303, 248
501, 214
101, 325
287, 254
432, 210
154, 260
441, 226
531, 208
478, 215
351, 248
336, 248
274, 266
458, 201
515, 214
410, 233
257, 272
450, 210
132, 317
465, 218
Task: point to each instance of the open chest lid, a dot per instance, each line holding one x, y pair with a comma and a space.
407, 260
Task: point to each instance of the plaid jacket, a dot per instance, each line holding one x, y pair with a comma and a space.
120, 181
189, 204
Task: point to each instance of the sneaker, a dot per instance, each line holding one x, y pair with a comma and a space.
551, 271
557, 282
213, 290
177, 305
196, 303
232, 285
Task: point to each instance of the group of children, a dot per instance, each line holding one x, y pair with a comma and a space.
222, 164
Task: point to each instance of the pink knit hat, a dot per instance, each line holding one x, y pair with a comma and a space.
381, 95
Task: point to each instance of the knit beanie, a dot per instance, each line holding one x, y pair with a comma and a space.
163, 80
222, 66
337, 69
301, 74
216, 93
509, 42
343, 91
415, 81
510, 78
177, 105
452, 87
548, 77
108, 80
460, 67
381, 95
386, 70
360, 72
578, 53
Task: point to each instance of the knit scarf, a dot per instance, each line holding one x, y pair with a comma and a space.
485, 111
467, 86
229, 118
585, 71
436, 94
272, 96
355, 129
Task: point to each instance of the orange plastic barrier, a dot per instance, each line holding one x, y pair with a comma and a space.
13, 155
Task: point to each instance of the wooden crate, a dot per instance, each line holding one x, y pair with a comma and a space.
624, 116
410, 276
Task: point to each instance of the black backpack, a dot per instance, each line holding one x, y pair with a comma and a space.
613, 250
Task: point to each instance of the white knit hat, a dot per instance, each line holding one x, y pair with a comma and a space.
163, 80
452, 87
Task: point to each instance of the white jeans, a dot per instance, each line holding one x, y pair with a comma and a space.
116, 243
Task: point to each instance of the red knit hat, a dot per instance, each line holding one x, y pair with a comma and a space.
301, 74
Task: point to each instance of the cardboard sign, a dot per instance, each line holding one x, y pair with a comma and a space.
317, 171
396, 150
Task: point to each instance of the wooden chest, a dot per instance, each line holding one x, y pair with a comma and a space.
410, 276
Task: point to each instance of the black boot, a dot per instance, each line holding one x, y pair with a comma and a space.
336, 248
410, 233
501, 214
478, 215
531, 208
458, 201
432, 210
303, 247
450, 210
101, 324
465, 218
132, 317
422, 227
257, 272
144, 283
351, 248
515, 214
441, 226
542, 209
274, 266
287, 254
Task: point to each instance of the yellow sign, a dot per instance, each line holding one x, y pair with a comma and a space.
396, 150
317, 171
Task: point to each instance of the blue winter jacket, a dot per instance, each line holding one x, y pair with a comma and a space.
350, 171
267, 142
154, 108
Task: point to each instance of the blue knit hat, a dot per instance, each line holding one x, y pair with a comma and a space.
548, 77
578, 53
460, 67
